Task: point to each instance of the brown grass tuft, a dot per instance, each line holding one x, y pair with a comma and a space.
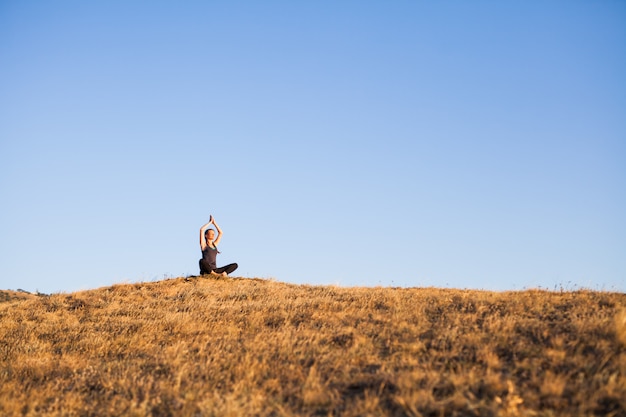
620, 326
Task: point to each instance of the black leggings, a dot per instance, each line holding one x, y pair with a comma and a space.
205, 268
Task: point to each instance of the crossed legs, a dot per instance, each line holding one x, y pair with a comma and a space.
206, 269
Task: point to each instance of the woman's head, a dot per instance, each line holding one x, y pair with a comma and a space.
209, 234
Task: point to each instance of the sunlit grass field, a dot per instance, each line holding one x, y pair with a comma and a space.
239, 347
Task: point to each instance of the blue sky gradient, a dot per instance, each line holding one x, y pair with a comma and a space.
448, 144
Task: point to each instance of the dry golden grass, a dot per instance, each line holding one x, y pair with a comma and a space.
8, 295
233, 347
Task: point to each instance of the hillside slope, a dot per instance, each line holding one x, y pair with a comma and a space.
10, 295
225, 346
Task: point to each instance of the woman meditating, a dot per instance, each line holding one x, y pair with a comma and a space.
208, 245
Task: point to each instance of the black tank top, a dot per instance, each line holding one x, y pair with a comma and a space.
209, 254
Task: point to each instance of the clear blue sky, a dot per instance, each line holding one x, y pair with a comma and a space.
361, 143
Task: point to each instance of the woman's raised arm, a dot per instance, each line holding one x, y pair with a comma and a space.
203, 234
219, 233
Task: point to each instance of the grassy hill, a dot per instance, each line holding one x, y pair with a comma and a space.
233, 347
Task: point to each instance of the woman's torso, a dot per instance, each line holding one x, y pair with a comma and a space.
209, 254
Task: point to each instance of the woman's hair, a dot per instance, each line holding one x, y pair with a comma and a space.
206, 232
